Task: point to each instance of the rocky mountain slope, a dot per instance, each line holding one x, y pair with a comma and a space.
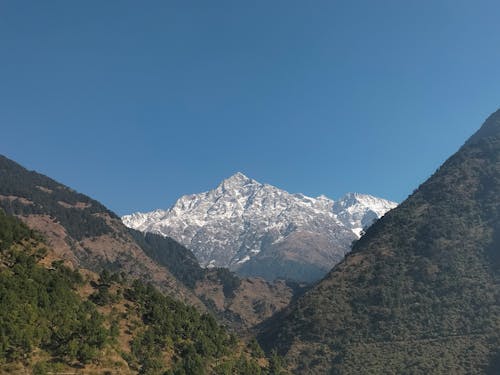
259, 230
420, 291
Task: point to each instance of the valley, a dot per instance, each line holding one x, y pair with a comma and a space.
418, 292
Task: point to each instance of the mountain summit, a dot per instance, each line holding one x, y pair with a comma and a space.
257, 229
491, 127
237, 180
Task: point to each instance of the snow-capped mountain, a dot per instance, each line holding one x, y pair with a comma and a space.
359, 211
258, 229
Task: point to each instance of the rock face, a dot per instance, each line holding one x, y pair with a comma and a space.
420, 291
257, 229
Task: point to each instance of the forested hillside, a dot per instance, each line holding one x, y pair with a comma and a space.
80, 229
55, 319
238, 302
420, 292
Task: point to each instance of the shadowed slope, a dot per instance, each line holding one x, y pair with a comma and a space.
420, 292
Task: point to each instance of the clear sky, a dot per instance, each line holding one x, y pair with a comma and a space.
136, 103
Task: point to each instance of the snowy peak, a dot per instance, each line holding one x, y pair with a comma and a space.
242, 220
359, 211
379, 205
237, 180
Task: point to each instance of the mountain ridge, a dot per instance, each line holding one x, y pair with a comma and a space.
243, 220
80, 229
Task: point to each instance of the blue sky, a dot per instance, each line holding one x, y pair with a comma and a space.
136, 103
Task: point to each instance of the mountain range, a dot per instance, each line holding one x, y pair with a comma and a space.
257, 229
86, 235
418, 292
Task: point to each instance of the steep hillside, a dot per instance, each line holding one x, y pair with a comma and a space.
420, 291
57, 320
80, 229
238, 302
257, 229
